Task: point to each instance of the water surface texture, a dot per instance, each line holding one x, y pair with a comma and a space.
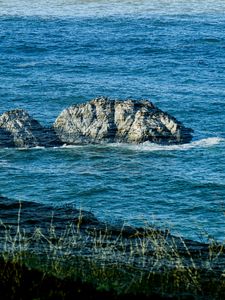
57, 53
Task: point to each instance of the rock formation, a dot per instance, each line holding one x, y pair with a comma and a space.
98, 121
19, 129
104, 121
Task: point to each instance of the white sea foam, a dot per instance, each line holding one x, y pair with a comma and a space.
31, 148
71, 146
147, 146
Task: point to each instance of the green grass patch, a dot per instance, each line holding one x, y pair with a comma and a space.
96, 262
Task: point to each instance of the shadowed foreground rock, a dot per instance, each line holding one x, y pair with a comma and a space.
19, 129
105, 121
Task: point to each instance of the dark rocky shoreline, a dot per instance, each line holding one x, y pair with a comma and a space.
100, 120
92, 254
33, 215
34, 284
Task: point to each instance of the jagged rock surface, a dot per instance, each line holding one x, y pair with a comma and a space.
19, 129
102, 121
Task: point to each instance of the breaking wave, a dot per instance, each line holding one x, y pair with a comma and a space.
148, 146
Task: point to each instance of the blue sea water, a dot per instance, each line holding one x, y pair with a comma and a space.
57, 53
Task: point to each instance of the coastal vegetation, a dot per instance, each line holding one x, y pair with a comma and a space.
90, 260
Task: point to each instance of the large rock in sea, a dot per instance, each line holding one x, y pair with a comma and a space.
19, 129
132, 121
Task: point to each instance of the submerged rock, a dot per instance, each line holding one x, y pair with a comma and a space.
19, 129
104, 121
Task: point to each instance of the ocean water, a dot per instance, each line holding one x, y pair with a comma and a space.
57, 53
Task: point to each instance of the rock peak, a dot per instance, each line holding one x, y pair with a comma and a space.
19, 129
103, 120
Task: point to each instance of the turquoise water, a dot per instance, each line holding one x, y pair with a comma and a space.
57, 53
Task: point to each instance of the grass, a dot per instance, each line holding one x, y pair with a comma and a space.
96, 262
